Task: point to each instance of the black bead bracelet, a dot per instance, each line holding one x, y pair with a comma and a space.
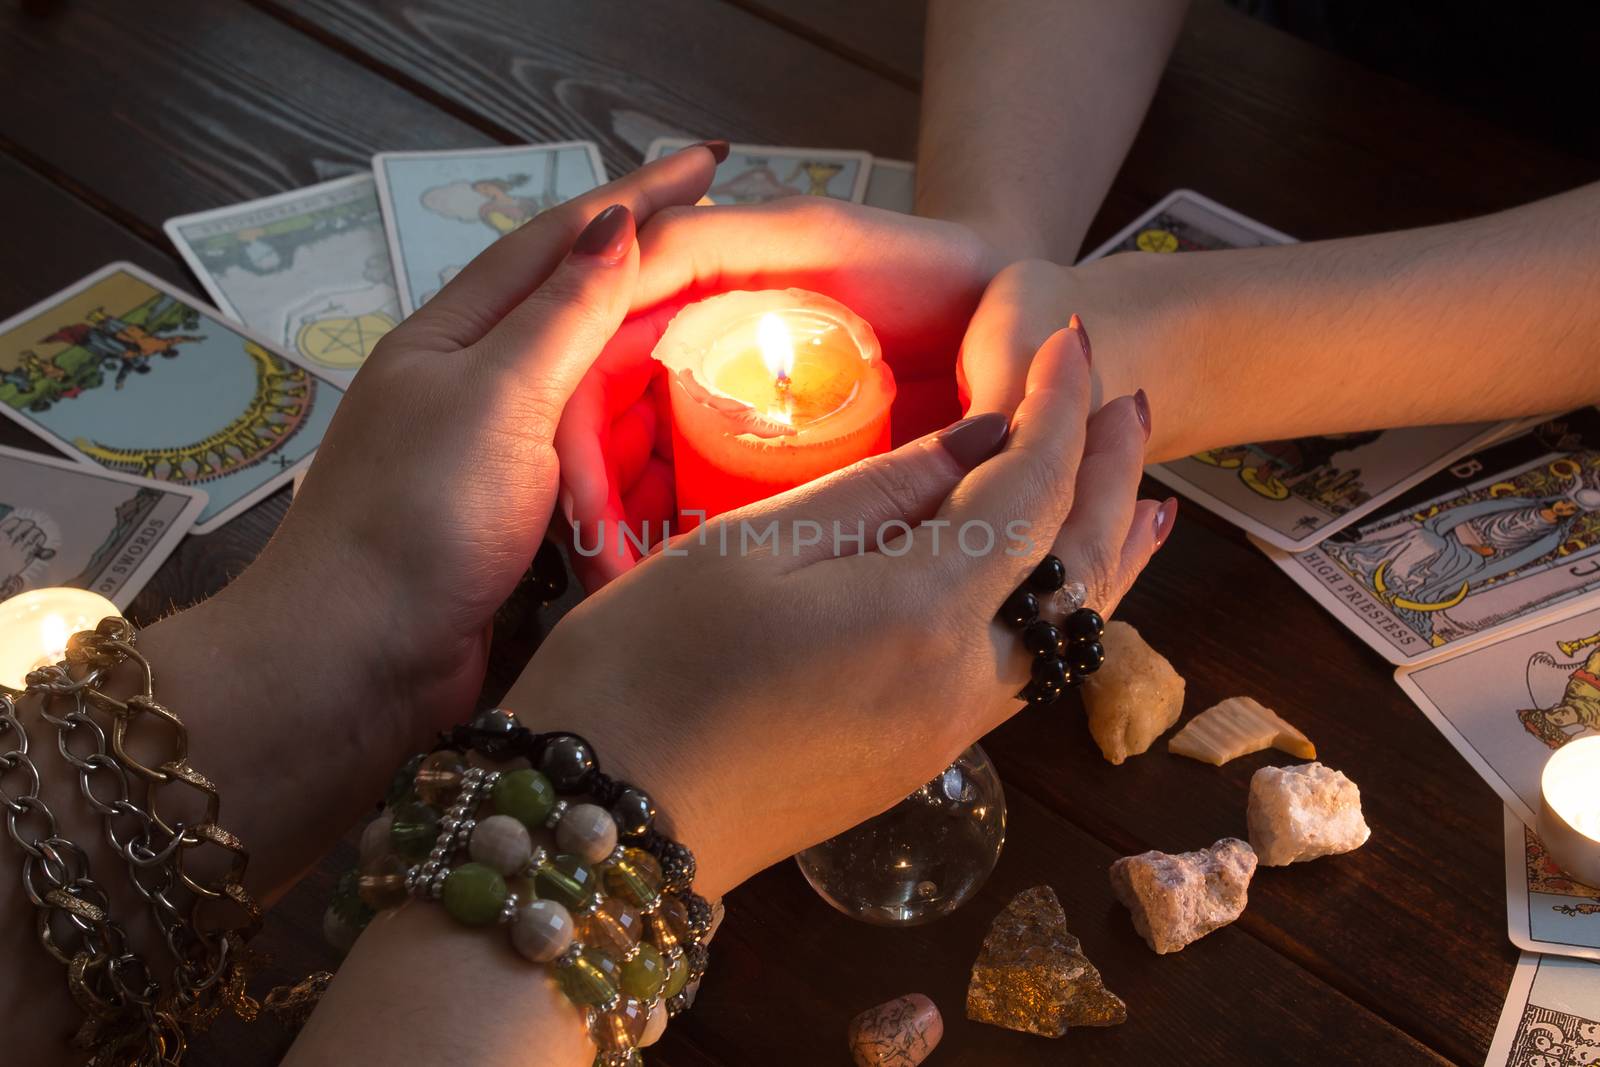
1064, 655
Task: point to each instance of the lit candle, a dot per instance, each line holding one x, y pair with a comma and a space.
35, 627
1569, 817
770, 390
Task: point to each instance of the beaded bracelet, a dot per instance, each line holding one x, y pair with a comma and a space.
621, 927
1064, 655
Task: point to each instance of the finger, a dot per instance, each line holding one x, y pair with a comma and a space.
503, 275
860, 508
1028, 487
632, 440
1091, 538
548, 342
1152, 525
1013, 320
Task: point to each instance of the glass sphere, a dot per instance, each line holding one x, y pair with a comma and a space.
921, 859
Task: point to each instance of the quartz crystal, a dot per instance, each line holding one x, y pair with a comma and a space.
1031, 974
1134, 698
1179, 899
1301, 813
900, 1033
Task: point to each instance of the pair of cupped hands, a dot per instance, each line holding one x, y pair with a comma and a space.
766, 699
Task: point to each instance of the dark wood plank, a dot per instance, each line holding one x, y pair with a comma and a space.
161, 109
1413, 924
789, 972
623, 74
884, 36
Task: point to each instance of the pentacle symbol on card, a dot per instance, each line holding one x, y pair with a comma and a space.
1156, 240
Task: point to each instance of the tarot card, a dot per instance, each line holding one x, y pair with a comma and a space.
127, 373
308, 269
1552, 1015
65, 523
442, 208
1293, 493
1481, 548
1546, 911
754, 174
1507, 705
892, 184
1185, 221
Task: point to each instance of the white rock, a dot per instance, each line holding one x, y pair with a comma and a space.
1176, 900
1300, 813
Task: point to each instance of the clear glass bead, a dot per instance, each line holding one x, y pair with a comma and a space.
921, 859
1069, 597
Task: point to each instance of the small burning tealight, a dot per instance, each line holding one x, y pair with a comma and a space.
770, 390
1569, 817
35, 627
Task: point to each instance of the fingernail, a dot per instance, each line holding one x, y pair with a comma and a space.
1166, 515
565, 497
608, 235
718, 149
974, 439
1141, 407
1075, 324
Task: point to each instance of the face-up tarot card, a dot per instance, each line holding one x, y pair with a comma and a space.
308, 269
753, 174
442, 208
892, 185
1552, 1015
1546, 910
127, 373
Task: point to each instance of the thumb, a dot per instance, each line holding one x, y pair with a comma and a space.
551, 337
867, 501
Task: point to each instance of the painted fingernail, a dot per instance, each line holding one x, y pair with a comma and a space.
718, 149
1141, 408
608, 235
975, 439
1166, 515
1075, 324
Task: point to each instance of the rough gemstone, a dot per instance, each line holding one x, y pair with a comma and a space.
383, 885
587, 830
1301, 813
1237, 727
525, 795
474, 893
1176, 900
542, 930
501, 842
900, 1033
1134, 698
1031, 974
589, 978
439, 777
614, 927
566, 879
413, 828
645, 974
636, 877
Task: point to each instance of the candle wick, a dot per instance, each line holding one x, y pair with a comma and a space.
782, 383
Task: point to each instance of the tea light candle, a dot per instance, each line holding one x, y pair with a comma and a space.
770, 390
1569, 815
35, 627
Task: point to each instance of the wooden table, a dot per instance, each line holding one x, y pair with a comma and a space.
119, 115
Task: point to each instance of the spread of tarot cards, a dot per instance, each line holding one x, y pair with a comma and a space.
161, 416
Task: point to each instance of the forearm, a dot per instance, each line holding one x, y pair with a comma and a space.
1028, 108
1491, 318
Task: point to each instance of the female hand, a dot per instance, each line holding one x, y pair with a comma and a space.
437, 478
916, 281
770, 697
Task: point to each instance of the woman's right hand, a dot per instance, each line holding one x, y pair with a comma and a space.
770, 698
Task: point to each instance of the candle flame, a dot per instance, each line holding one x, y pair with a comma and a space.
53, 637
777, 347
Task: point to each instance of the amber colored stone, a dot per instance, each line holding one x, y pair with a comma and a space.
622, 1027
439, 778
614, 927
588, 980
1031, 974
383, 885
636, 877
669, 923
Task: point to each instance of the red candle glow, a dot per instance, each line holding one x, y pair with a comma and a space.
770, 390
